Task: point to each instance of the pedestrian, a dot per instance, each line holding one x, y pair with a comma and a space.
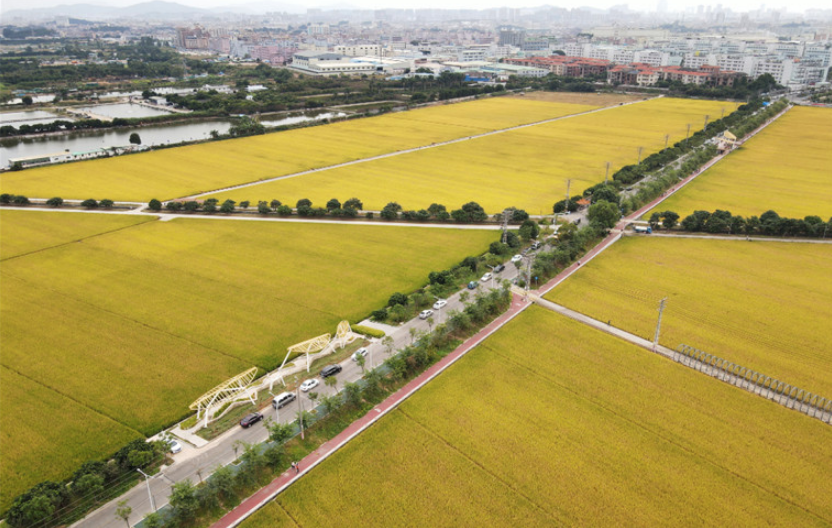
297, 467
294, 466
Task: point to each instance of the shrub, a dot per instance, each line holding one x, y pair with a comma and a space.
367, 331
89, 203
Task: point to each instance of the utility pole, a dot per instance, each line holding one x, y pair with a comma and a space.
666, 139
723, 113
507, 216
640, 149
606, 175
147, 481
687, 135
300, 413
659, 324
706, 121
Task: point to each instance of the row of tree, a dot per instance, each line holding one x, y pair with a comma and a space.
59, 503
723, 222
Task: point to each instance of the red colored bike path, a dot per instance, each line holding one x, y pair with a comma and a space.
264, 495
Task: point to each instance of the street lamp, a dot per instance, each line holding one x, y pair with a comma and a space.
147, 481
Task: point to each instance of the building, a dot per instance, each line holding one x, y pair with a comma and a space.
566, 66
359, 50
328, 63
641, 74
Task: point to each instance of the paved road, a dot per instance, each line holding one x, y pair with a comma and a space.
193, 462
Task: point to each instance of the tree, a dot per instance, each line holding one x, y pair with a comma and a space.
397, 298
279, 432
7, 198
388, 344
89, 203
19, 199
183, 500
303, 202
470, 212
153, 520
174, 206
353, 393
529, 230
669, 219
227, 207
135, 139
354, 203
275, 204
154, 205
55, 202
604, 214
244, 204
333, 204
391, 211
263, 208
106, 204
361, 361
123, 511
332, 381
331, 403
695, 221
27, 100
430, 323
284, 210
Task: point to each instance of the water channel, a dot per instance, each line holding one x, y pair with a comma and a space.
150, 135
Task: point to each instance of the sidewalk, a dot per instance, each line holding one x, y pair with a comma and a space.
284, 480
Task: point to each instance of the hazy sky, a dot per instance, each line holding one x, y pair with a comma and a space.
736, 5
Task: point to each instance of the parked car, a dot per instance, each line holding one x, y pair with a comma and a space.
439, 304
424, 314
499, 268
283, 399
536, 246
362, 352
174, 446
472, 285
486, 277
517, 258
251, 419
330, 370
309, 384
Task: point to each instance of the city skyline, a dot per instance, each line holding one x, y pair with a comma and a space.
795, 6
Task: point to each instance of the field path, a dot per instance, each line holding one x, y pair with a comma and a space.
408, 151
745, 238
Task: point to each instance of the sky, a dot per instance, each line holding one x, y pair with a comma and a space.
648, 5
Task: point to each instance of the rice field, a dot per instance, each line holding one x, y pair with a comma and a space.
29, 231
552, 423
785, 168
763, 305
183, 171
46, 435
527, 168
170, 309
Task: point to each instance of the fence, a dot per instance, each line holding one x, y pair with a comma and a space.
785, 394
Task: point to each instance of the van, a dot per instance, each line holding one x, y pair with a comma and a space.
283, 399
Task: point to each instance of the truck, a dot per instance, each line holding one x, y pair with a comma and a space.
643, 229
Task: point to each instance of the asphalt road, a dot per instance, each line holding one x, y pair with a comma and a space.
197, 464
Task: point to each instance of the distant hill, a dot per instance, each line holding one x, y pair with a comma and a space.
97, 12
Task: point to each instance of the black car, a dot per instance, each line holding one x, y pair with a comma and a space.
330, 370
499, 267
251, 419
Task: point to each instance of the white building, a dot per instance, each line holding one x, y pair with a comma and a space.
327, 63
359, 50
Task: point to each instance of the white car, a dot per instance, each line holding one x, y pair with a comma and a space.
360, 352
174, 446
424, 314
438, 305
309, 384
517, 258
486, 277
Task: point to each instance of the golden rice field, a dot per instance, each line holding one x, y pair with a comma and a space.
552, 423
24, 232
46, 435
785, 168
763, 305
527, 168
183, 171
168, 310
